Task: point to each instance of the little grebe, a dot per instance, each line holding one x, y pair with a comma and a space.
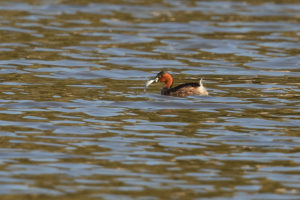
182, 90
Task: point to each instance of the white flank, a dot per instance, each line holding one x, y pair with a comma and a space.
202, 89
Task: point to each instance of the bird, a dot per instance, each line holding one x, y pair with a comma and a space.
182, 90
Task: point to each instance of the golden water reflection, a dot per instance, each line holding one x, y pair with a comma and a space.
77, 124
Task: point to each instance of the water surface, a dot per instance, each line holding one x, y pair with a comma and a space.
75, 122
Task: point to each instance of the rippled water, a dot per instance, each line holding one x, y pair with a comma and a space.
77, 124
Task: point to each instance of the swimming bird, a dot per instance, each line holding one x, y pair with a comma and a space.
181, 90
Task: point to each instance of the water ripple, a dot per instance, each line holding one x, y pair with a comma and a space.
75, 119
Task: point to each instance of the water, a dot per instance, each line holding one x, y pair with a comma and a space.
77, 124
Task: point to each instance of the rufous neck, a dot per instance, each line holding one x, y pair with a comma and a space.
168, 84
167, 79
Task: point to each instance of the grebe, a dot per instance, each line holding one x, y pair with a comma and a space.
182, 90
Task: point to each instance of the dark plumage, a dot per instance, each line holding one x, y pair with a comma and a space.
182, 90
